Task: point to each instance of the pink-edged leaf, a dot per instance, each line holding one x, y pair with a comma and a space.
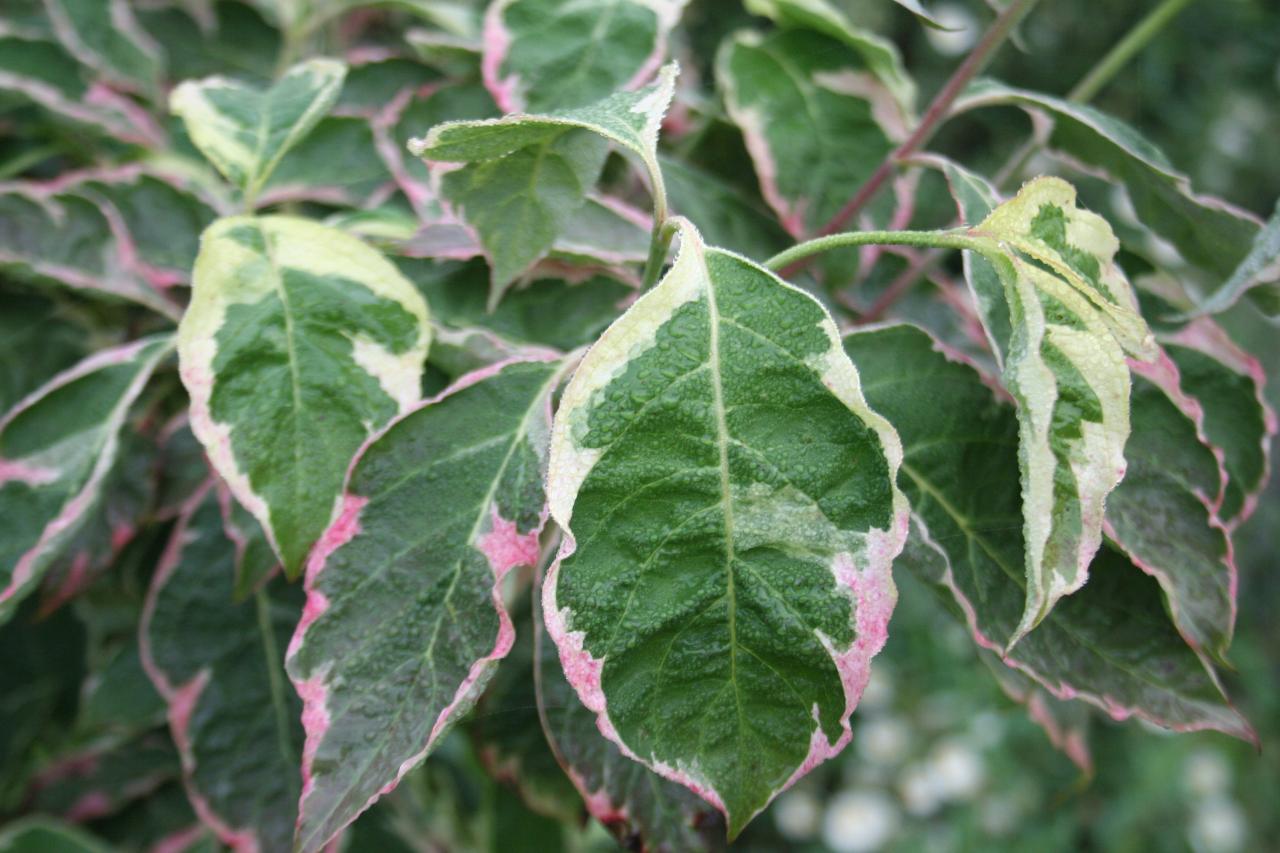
1228, 383
1164, 513
404, 624
1112, 643
74, 237
640, 808
219, 666
730, 517
100, 780
58, 447
543, 55
128, 493
1065, 723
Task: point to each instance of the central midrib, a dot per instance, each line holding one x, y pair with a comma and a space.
726, 500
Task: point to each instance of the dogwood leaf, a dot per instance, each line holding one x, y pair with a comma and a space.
245, 131
730, 516
880, 55
437, 509
300, 340
57, 448
541, 55
1163, 515
1261, 264
809, 160
74, 238
37, 69
219, 667
527, 176
104, 35
1208, 233
1073, 317
1111, 644
639, 807
1228, 383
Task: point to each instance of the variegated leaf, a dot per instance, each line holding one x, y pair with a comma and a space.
1073, 318
404, 622
1208, 233
77, 239
810, 161
246, 131
640, 808
57, 448
1228, 384
38, 69
104, 35
526, 176
299, 342
1111, 644
1065, 723
102, 779
1164, 514
730, 516
219, 666
542, 55
1261, 264
880, 54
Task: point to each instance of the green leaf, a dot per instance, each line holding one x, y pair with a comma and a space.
245, 131
724, 212
542, 55
1163, 515
730, 516
816, 122
1260, 266
1065, 723
507, 730
44, 835
1227, 382
404, 622
548, 312
916, 8
37, 69
101, 780
74, 238
39, 336
634, 803
127, 491
299, 342
57, 448
218, 665
1208, 233
880, 54
528, 176
337, 164
1073, 317
1110, 644
104, 35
